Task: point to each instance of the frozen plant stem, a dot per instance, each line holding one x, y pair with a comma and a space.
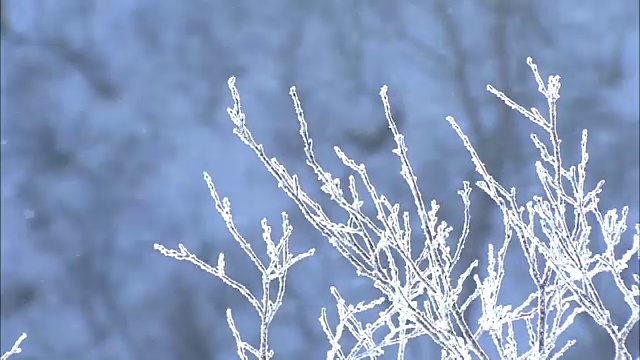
419, 294
15, 349
280, 260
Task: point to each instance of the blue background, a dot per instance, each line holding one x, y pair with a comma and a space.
112, 109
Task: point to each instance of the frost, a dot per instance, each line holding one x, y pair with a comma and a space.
419, 296
15, 349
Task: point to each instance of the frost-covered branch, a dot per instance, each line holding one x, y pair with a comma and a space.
280, 260
419, 294
15, 349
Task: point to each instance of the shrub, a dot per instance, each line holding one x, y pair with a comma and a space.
554, 229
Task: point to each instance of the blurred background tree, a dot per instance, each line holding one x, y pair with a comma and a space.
112, 109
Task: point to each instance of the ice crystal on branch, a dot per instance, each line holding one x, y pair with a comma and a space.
419, 294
